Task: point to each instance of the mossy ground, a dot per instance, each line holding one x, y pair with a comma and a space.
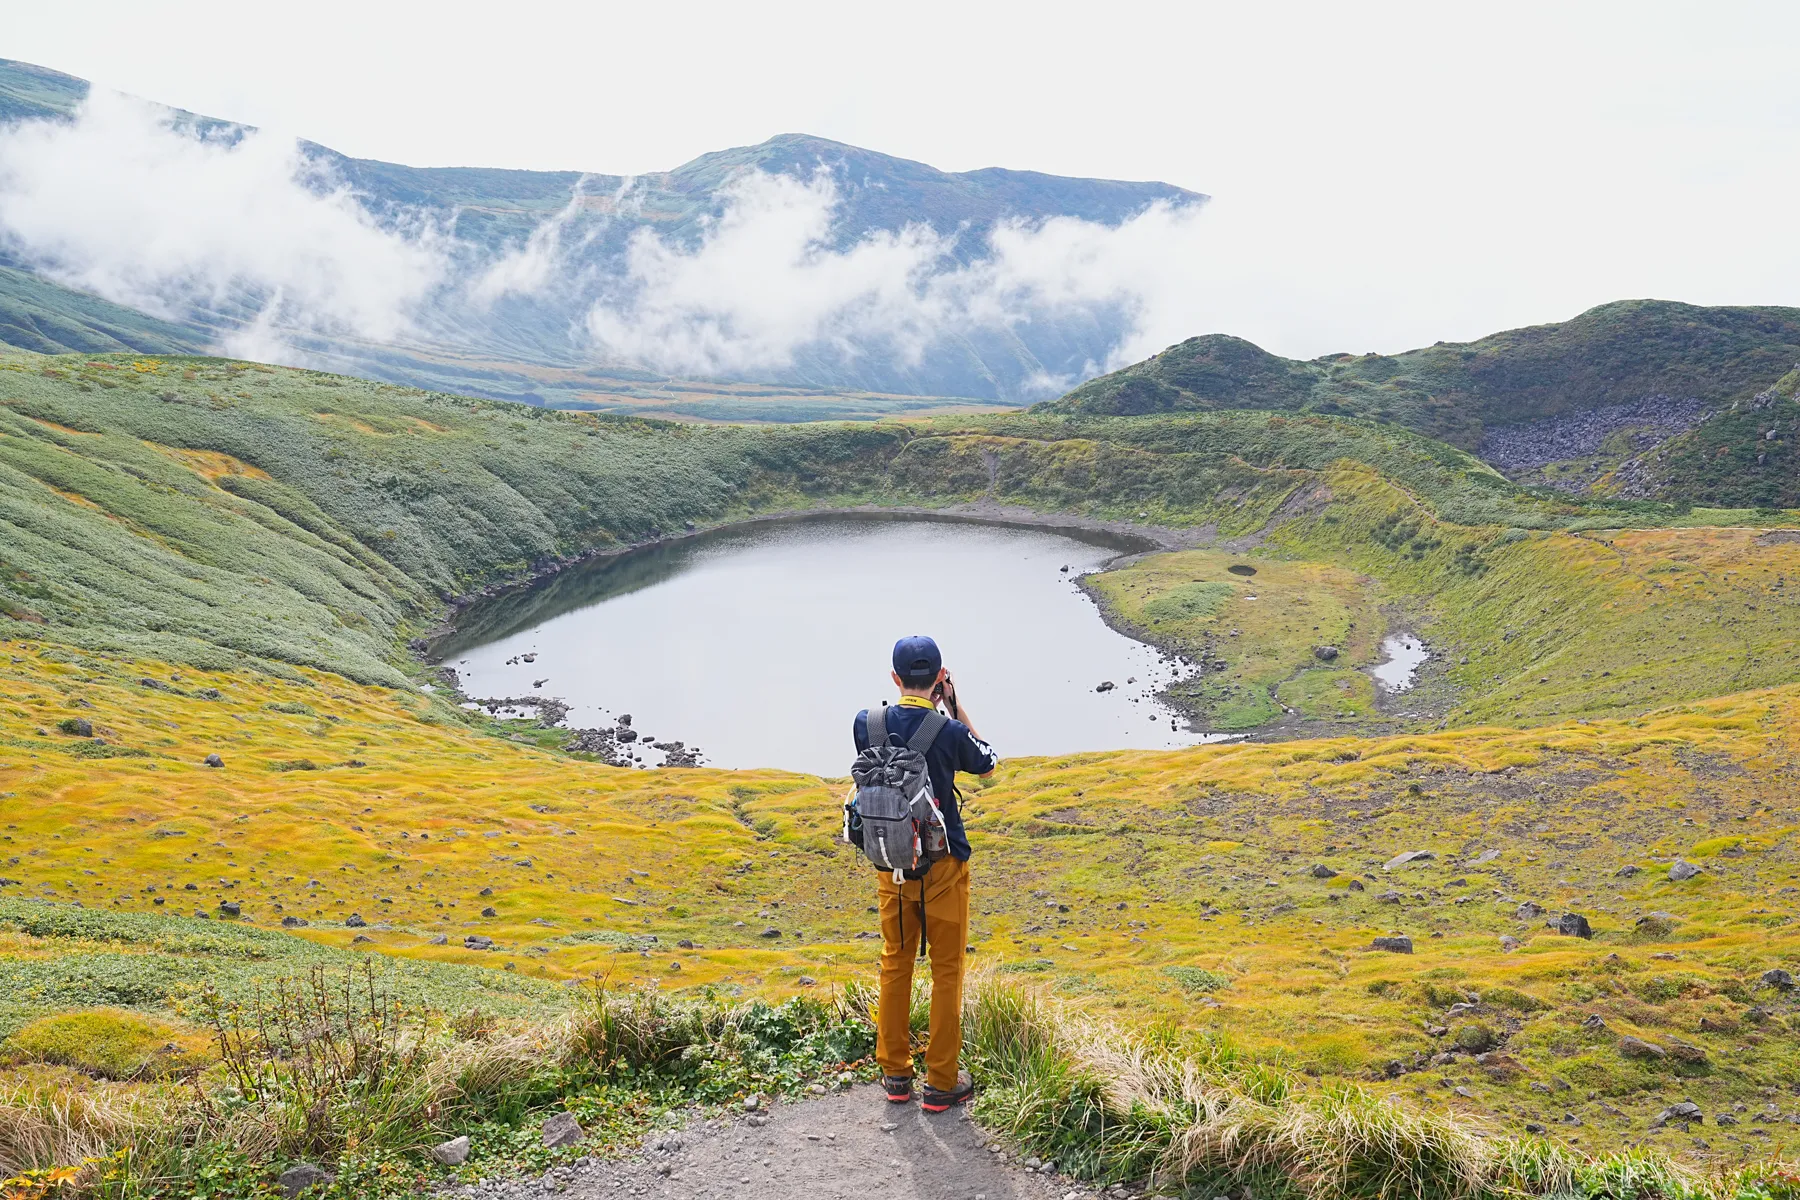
205, 557
1099, 869
111, 1043
1523, 626
1256, 635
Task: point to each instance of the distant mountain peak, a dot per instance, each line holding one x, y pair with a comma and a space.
514, 273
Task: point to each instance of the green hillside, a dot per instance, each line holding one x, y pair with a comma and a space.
41, 316
299, 518
1744, 456
1614, 354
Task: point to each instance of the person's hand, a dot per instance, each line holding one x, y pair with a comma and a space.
947, 690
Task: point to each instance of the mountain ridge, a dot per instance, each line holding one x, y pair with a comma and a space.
1625, 368
595, 218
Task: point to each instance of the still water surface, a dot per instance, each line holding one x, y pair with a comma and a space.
1399, 669
759, 645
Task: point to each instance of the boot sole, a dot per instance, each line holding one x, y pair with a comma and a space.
938, 1106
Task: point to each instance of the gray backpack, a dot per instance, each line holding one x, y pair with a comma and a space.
892, 813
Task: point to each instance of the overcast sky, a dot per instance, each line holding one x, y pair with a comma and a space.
1386, 175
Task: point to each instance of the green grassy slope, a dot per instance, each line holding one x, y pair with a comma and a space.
1744, 456
193, 546
1614, 354
38, 315
212, 512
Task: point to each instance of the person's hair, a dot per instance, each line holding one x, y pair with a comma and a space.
918, 683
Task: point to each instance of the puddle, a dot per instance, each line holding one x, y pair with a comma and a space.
1397, 672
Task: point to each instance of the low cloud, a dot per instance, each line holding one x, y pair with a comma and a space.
125, 202
245, 231
768, 281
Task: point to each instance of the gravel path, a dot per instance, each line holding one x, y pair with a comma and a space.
844, 1146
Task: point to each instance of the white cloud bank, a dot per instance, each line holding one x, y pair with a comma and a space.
766, 282
123, 203
126, 203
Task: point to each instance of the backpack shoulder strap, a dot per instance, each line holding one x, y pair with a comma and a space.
877, 726
927, 732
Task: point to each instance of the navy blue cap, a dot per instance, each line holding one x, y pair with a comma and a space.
916, 659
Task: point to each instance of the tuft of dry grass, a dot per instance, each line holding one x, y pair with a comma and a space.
1114, 1104
57, 1118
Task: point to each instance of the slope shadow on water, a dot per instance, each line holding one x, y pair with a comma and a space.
578, 587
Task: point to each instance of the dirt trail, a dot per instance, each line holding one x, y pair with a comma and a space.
844, 1146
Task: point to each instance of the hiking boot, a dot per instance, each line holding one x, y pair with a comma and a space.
897, 1087
936, 1100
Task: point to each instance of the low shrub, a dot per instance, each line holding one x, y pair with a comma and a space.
112, 1043
1197, 979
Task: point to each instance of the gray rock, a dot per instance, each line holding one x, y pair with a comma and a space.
477, 941
1486, 856
76, 726
1393, 945
1628, 870
293, 922
562, 1130
1411, 856
1683, 1052
1685, 1113
1509, 943
213, 760
355, 921
452, 1153
1681, 869
1573, 925
1325, 653
1323, 872
1531, 910
1389, 897
300, 1176
1632, 1047
1778, 979
361, 937
439, 940
230, 908
1106, 686
1356, 885
489, 912
770, 932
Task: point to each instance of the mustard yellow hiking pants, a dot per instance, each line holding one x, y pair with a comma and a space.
946, 892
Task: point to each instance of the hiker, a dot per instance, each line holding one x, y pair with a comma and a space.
904, 814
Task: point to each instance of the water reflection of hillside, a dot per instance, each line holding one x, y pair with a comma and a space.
566, 591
